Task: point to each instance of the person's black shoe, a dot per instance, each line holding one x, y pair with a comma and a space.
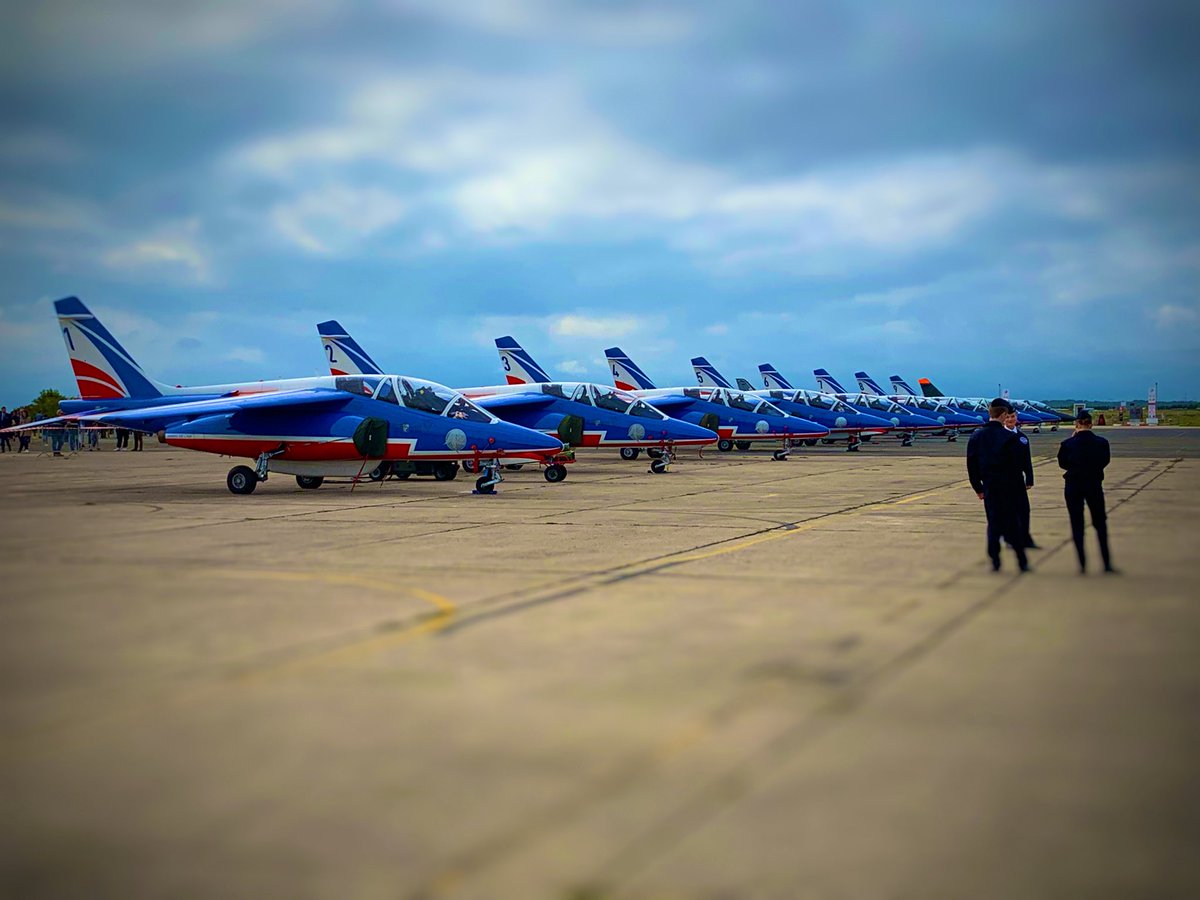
1033, 545
1111, 570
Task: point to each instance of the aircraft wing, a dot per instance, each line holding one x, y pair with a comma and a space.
530, 400
152, 418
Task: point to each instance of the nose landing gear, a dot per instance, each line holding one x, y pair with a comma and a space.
486, 483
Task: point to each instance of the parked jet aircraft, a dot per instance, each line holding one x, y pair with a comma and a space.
1029, 412
955, 419
908, 422
307, 427
834, 415
735, 416
582, 414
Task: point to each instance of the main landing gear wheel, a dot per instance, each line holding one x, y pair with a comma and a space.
555, 473
485, 485
658, 466
742, 445
445, 471
724, 445
779, 456
310, 482
907, 441
241, 480
468, 465
630, 453
810, 442
378, 473
654, 454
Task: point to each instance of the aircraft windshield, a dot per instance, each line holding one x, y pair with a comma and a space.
741, 401
387, 392
610, 400
695, 394
643, 410
581, 395
554, 389
880, 403
769, 409
359, 385
462, 408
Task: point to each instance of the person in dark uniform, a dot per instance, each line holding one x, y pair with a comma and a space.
1084, 456
994, 459
1010, 422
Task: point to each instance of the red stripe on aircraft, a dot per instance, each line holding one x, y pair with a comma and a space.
85, 370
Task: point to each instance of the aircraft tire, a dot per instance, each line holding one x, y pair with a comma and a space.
555, 473
241, 480
724, 445
654, 454
468, 466
810, 442
378, 473
445, 471
481, 485
743, 445
658, 466
630, 453
779, 456
515, 467
310, 482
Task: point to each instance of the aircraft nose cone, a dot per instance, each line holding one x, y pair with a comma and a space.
679, 430
868, 421
515, 438
801, 426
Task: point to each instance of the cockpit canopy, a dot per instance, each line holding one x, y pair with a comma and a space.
601, 397
735, 400
815, 399
879, 404
414, 393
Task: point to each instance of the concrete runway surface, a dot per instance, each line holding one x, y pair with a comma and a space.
743, 679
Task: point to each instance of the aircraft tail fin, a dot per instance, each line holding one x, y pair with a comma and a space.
104, 370
772, 380
902, 386
519, 366
744, 385
928, 388
827, 383
707, 374
868, 385
342, 352
626, 375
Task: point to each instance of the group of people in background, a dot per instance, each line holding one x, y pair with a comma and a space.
1000, 468
10, 420
68, 435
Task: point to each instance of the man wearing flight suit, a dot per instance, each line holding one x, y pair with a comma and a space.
1084, 456
994, 462
1010, 422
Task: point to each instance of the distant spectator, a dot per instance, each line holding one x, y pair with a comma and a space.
6, 421
122, 438
24, 436
137, 440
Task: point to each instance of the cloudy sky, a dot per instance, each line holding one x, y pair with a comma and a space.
979, 193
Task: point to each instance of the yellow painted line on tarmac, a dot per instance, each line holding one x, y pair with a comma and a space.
444, 614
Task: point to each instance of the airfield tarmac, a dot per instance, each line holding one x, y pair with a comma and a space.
743, 679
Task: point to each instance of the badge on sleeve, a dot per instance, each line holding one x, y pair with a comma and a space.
1024, 440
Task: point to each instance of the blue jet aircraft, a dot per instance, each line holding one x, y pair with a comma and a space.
735, 416
307, 427
582, 414
1029, 412
837, 417
955, 419
908, 423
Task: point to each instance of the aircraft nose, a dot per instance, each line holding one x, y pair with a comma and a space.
514, 438
864, 420
679, 430
798, 425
